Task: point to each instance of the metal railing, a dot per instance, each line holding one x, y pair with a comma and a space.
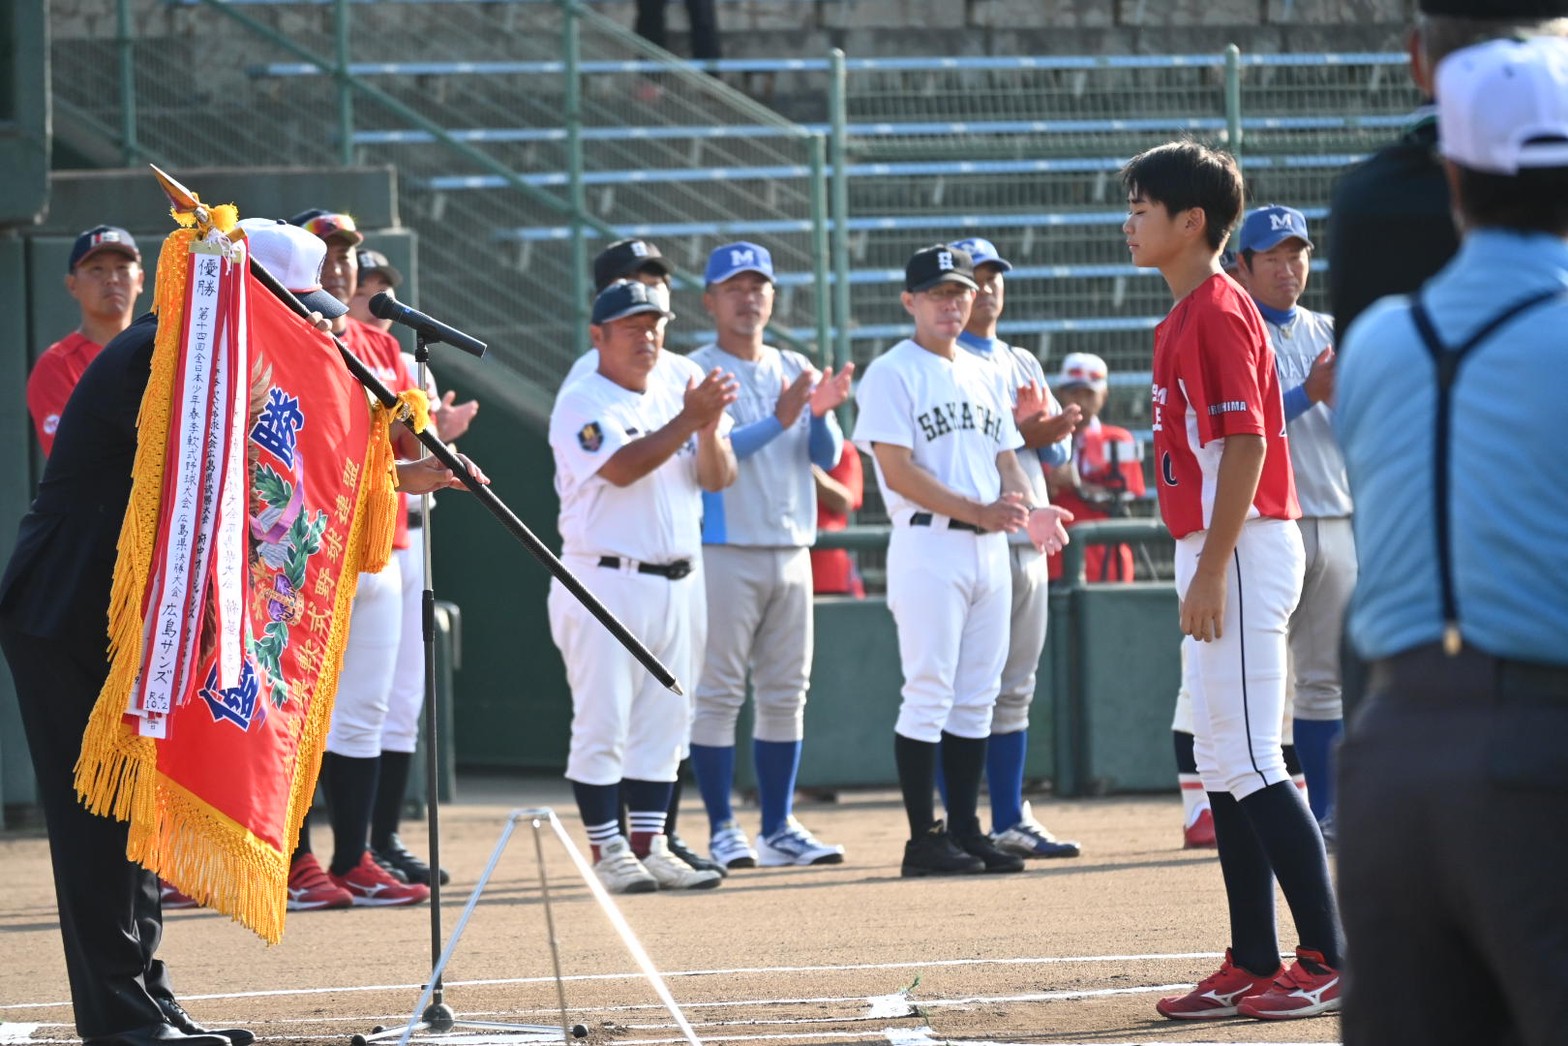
528, 134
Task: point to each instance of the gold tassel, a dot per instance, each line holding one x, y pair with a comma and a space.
115, 773
378, 494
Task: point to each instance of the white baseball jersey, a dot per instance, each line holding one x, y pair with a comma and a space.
1322, 486
955, 415
1018, 368
773, 501
657, 519
582, 366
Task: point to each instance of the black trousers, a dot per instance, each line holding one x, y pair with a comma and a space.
1453, 838
111, 919
700, 13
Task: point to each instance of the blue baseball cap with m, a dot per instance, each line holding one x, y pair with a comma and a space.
732, 259
983, 252
1268, 227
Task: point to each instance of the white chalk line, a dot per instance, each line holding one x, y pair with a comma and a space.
635, 975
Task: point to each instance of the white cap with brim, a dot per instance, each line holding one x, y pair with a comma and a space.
294, 258
1502, 106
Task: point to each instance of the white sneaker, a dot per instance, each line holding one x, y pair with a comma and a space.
672, 873
620, 871
1029, 838
729, 847
792, 844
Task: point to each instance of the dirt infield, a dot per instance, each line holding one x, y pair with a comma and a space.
1072, 951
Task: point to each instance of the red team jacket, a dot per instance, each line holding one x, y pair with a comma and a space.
54, 376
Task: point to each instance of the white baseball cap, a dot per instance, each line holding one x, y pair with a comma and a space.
293, 257
1082, 368
1502, 106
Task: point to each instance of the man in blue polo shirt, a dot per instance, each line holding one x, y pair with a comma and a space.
1451, 882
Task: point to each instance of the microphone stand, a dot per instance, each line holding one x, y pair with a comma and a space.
437, 1016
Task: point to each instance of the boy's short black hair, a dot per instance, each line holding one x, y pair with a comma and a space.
1533, 200
1187, 174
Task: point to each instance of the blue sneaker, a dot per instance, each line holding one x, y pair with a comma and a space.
793, 845
1029, 838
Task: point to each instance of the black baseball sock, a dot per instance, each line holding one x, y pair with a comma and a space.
675, 798
963, 766
1249, 887
1289, 835
391, 788
351, 791
1186, 760
302, 847
916, 762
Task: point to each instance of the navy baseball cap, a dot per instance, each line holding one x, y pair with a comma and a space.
625, 257
375, 261
982, 252
735, 258
1270, 226
625, 298
102, 238
936, 264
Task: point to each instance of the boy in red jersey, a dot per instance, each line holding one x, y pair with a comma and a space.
1228, 496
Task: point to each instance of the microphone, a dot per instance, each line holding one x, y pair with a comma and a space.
385, 306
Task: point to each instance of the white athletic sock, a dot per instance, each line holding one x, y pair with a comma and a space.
1194, 800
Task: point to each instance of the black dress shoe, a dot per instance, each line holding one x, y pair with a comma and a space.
182, 1022
156, 1035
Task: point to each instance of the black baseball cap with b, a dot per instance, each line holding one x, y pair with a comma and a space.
102, 238
623, 298
939, 263
625, 258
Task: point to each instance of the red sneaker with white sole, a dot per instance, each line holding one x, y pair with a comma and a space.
1217, 995
373, 886
1308, 988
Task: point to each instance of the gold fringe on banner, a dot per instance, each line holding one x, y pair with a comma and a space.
115, 772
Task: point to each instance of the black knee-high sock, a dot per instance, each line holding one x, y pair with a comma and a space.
1186, 760
391, 789
302, 847
963, 766
675, 798
916, 761
351, 791
1289, 834
1249, 887
1292, 761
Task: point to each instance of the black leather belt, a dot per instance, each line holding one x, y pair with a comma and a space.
926, 519
674, 571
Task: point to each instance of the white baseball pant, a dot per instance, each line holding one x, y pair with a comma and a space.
359, 710
400, 733
1318, 625
950, 592
1026, 638
625, 723
1182, 719
760, 621
1237, 682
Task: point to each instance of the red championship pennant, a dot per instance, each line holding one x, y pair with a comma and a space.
237, 566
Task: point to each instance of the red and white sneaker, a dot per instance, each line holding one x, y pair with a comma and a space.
309, 887
369, 884
1217, 995
1199, 835
1308, 988
172, 898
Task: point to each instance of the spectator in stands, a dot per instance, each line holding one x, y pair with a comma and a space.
701, 15
1390, 223
840, 491
105, 277
1104, 472
376, 274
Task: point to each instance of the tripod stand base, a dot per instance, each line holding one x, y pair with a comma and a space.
438, 1019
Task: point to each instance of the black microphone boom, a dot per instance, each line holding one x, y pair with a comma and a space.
386, 307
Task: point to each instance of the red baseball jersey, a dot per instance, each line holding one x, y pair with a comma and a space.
54, 376
1214, 377
381, 352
